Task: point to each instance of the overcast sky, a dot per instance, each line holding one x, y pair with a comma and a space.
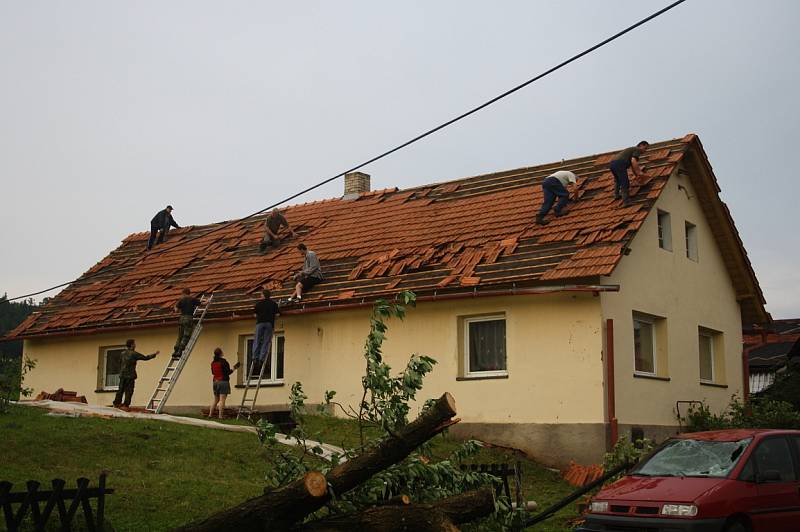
109, 110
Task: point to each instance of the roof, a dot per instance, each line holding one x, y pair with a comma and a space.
469, 235
770, 355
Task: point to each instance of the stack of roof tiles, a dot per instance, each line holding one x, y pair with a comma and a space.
468, 234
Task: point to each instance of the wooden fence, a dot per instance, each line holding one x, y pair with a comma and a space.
55, 502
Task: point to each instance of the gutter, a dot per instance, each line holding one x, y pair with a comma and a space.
330, 307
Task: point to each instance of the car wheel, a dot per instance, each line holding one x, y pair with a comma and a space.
736, 526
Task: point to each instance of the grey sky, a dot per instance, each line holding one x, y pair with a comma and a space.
109, 110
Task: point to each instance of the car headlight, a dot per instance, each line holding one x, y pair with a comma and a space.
680, 510
598, 506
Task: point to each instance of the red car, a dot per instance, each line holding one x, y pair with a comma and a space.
727, 480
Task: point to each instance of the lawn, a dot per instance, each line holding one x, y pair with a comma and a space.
166, 474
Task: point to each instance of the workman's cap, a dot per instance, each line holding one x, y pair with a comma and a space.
170, 207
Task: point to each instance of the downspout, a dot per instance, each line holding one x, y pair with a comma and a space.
610, 393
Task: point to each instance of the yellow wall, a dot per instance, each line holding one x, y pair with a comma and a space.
553, 345
689, 295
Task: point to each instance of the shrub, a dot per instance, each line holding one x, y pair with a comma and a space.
12, 376
759, 413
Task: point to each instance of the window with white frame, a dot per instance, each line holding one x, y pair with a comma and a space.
273, 365
691, 241
706, 340
110, 367
644, 345
485, 346
664, 230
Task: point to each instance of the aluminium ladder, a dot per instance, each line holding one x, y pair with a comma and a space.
248, 405
174, 367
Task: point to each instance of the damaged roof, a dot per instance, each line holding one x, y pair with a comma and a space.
469, 234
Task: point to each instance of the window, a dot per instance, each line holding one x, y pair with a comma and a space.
664, 231
110, 367
773, 454
706, 356
691, 241
273, 371
485, 346
644, 345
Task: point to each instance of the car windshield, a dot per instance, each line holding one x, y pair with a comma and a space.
693, 458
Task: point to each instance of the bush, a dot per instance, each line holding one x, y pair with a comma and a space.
12, 375
759, 413
626, 451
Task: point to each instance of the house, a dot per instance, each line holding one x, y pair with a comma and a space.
768, 351
553, 339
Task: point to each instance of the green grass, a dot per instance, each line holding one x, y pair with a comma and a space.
167, 474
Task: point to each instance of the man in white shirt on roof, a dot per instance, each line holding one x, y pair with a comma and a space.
554, 186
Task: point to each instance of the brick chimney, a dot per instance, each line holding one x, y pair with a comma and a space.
355, 183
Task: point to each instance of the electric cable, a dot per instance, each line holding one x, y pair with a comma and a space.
387, 152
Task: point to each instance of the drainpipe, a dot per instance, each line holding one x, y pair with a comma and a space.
610, 394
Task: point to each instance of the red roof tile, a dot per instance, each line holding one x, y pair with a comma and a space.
466, 234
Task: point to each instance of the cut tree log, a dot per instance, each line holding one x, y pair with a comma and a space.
276, 511
441, 515
257, 513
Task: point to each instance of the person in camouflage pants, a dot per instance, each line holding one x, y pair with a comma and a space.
127, 375
185, 305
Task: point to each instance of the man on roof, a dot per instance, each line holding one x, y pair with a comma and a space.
309, 276
127, 375
556, 185
185, 305
272, 229
627, 158
160, 225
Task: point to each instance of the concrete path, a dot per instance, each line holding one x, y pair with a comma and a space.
59, 408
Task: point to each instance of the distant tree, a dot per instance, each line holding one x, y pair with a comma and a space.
12, 314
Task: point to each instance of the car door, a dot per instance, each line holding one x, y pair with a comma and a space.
776, 507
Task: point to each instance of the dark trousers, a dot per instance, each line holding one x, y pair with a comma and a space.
185, 327
268, 241
262, 345
621, 182
161, 232
553, 189
126, 389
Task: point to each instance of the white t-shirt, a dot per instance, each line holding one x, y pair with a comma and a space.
566, 177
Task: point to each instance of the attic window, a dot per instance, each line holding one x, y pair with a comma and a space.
664, 230
691, 241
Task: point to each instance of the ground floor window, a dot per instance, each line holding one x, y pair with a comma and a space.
110, 367
644, 345
485, 346
273, 365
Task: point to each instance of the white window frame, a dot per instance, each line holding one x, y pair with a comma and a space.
710, 336
652, 323
493, 373
690, 237
664, 221
104, 366
267, 379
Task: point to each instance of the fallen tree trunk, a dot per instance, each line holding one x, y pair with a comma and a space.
439, 516
276, 511
257, 513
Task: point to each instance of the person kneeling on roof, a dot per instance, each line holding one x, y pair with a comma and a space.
309, 276
556, 186
272, 228
186, 306
159, 226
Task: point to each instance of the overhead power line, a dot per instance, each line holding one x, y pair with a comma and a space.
390, 151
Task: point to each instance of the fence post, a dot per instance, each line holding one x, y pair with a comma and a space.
8, 513
58, 488
36, 514
101, 502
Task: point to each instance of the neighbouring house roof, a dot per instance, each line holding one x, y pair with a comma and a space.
469, 235
770, 355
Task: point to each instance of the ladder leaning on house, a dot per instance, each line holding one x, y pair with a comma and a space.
175, 365
248, 405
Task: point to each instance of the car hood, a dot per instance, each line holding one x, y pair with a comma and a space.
661, 489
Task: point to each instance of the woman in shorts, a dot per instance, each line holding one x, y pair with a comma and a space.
221, 383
